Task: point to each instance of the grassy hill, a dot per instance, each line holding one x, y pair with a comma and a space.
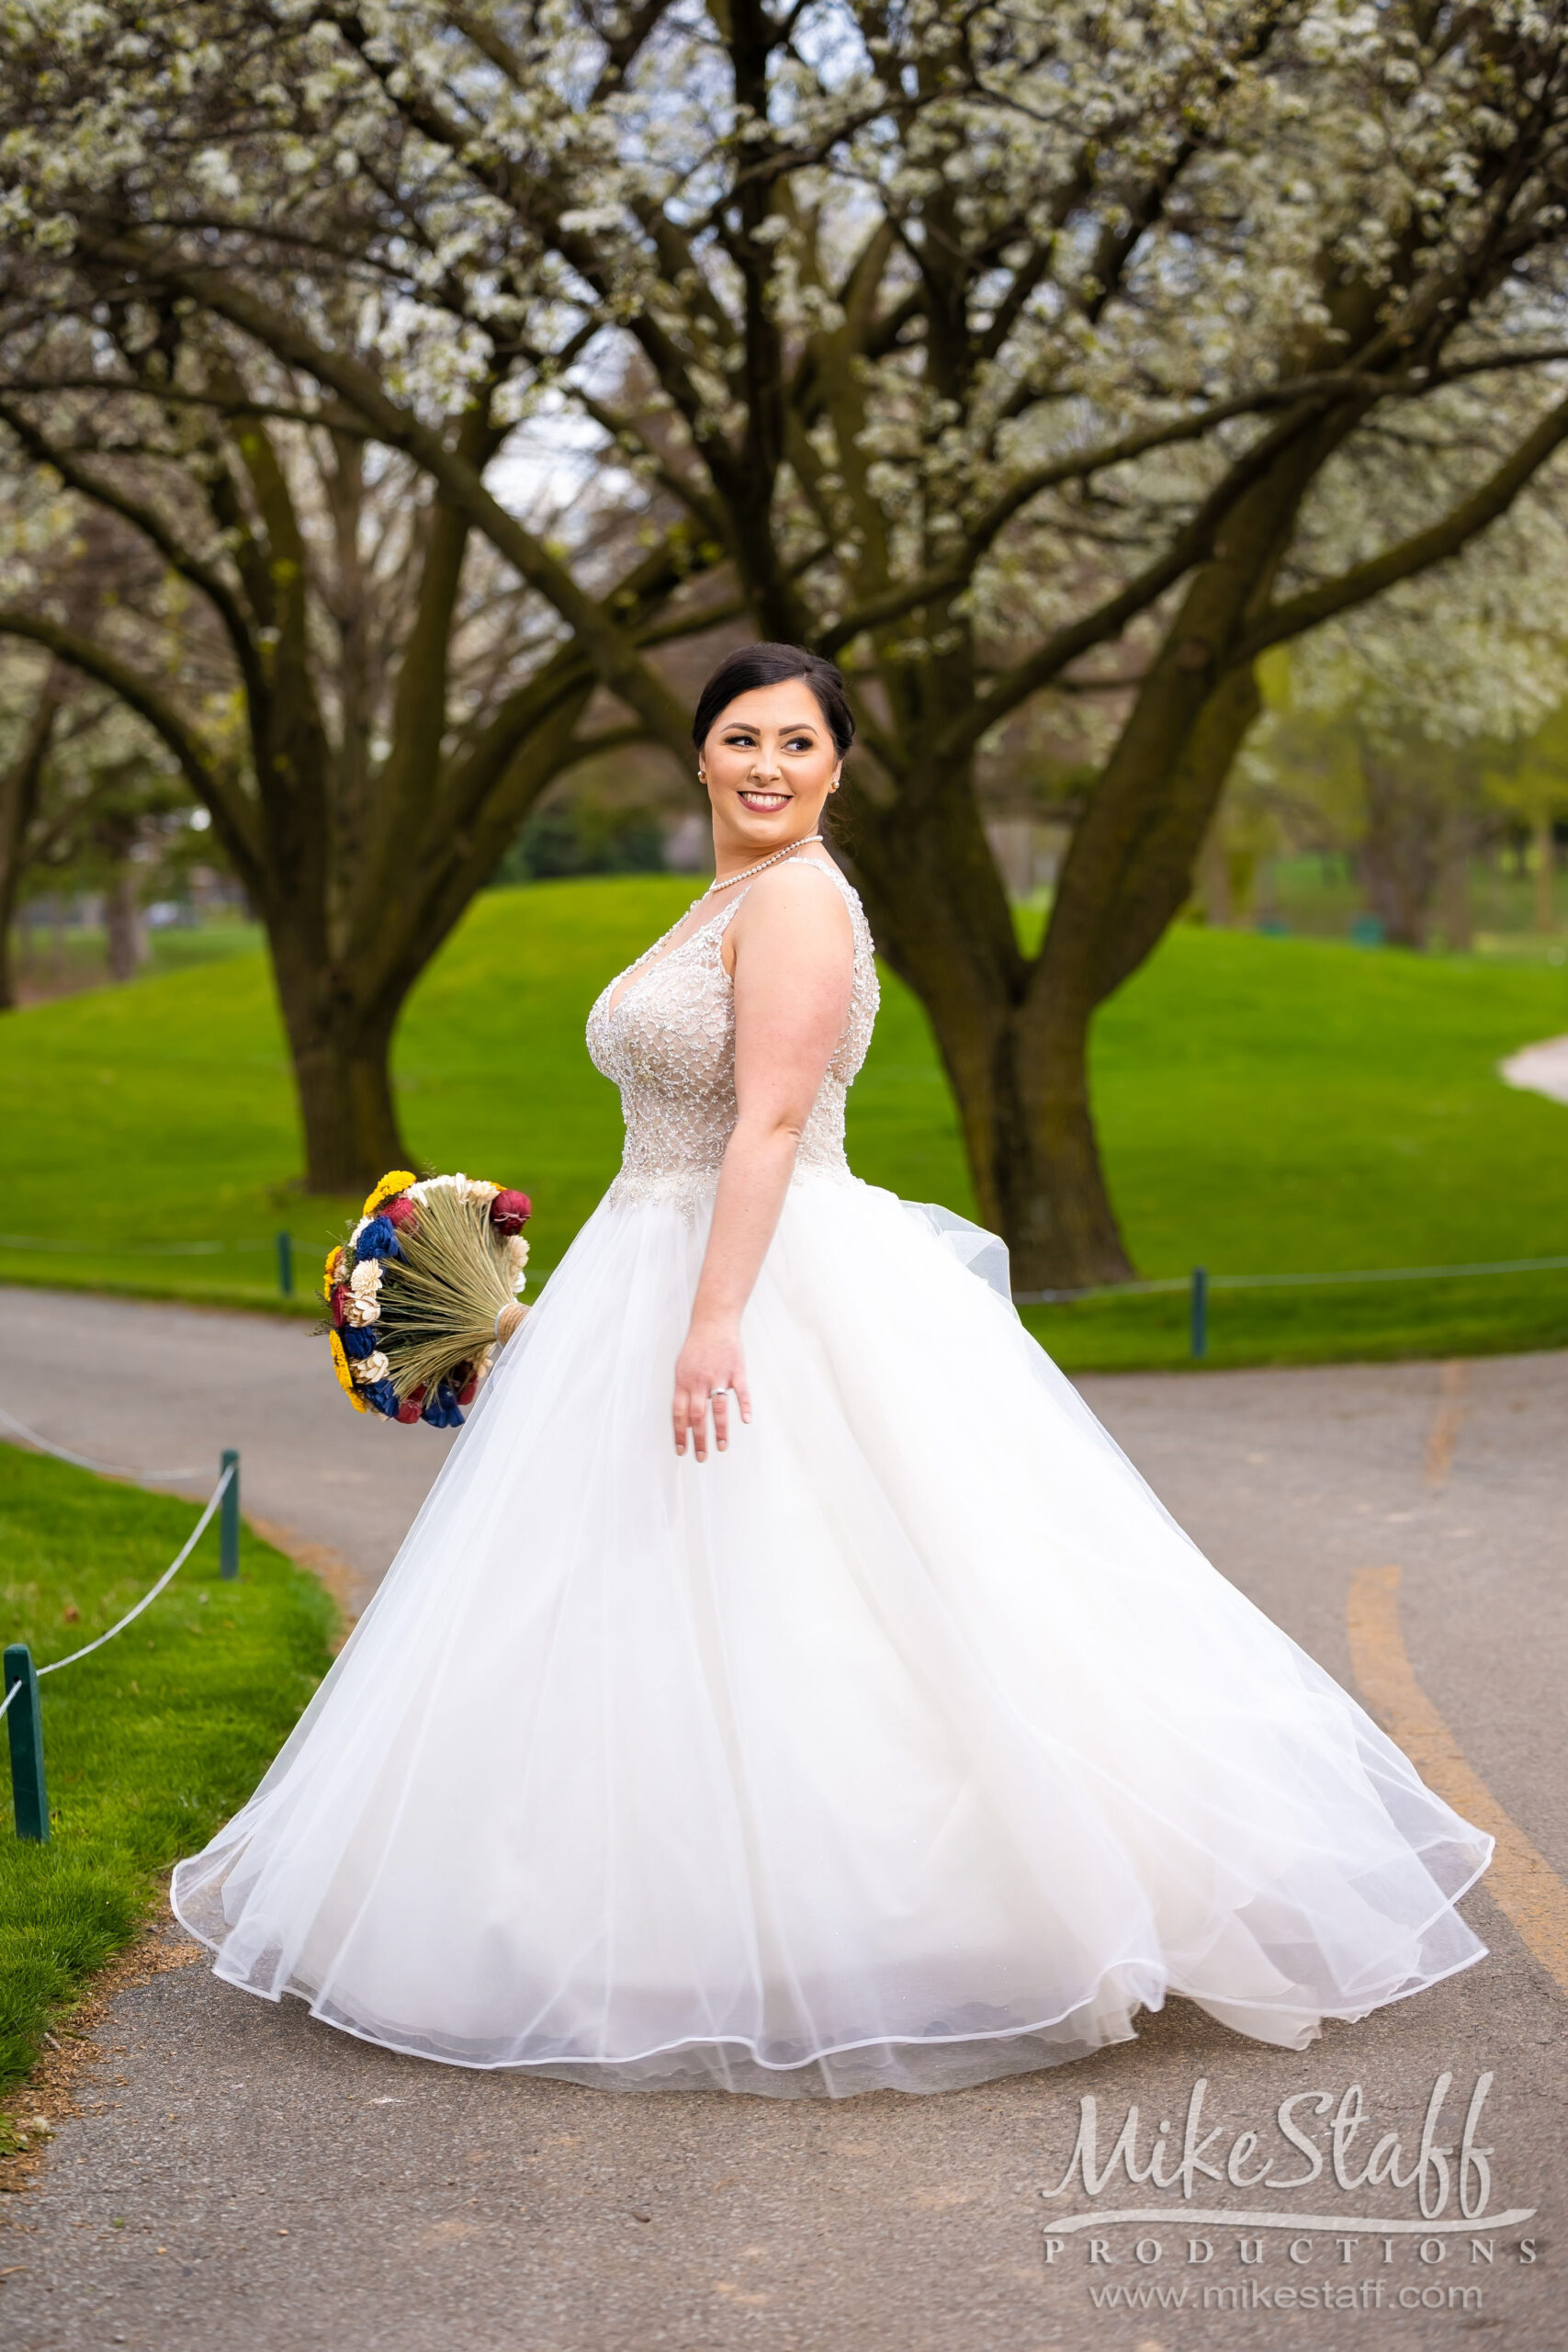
1266, 1105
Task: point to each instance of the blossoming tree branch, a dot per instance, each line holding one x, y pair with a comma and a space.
1010, 357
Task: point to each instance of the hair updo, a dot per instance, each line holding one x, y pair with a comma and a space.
750, 666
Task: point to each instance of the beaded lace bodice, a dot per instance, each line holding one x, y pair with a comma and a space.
668, 1044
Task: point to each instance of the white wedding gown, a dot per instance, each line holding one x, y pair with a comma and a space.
907, 1744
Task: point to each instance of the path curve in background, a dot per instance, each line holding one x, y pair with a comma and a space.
1538, 1069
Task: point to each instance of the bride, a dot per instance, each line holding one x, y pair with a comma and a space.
788, 1686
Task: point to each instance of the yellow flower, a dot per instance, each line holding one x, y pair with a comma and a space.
345, 1372
388, 1188
332, 1273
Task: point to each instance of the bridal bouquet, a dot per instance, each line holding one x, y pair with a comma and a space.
421, 1292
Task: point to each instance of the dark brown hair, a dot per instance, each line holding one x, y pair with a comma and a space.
750, 666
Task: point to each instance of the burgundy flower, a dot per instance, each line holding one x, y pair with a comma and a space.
411, 1406
340, 1296
465, 1380
399, 1212
510, 1212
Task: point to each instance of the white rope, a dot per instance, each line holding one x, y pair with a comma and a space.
147, 1599
85, 1461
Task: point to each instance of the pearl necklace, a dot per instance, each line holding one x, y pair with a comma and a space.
746, 873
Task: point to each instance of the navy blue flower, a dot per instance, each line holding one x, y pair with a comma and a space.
359, 1339
379, 1239
382, 1398
442, 1410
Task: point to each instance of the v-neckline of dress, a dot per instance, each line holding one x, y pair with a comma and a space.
650, 960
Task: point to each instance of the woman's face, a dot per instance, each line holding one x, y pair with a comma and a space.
768, 762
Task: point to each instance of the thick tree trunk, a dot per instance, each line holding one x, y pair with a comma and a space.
1041, 1168
122, 925
1455, 917
1029, 1137
1014, 1035
343, 1070
1401, 858
1214, 878
1019, 1072
8, 952
20, 786
1545, 860
342, 1054
10, 880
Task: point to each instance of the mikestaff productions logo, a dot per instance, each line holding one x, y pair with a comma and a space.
1324, 2246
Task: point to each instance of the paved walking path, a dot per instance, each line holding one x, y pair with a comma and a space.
246, 2181
171, 1386
1539, 1069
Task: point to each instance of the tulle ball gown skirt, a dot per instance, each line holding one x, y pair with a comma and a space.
906, 1744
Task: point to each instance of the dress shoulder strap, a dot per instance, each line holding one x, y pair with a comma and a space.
831, 873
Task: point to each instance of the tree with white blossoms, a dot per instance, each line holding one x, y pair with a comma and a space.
1412, 723
991, 350
364, 698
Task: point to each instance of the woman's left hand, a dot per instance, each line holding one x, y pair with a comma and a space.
711, 1363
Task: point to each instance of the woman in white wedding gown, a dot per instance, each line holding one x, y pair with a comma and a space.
892, 1737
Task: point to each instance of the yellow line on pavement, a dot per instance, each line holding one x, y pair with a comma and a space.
1521, 1881
1446, 1424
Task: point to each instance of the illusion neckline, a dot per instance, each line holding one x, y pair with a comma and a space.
650, 960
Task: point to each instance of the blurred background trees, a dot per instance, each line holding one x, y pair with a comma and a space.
1420, 748
1051, 368
93, 817
364, 700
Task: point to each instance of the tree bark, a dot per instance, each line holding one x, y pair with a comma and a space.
1400, 860
1022, 1087
122, 925
1018, 1069
1455, 916
20, 785
1045, 1175
340, 1049
1214, 880
1544, 845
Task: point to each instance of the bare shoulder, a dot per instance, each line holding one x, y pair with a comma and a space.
801, 893
791, 913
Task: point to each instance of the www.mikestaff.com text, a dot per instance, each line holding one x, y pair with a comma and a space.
1256, 2295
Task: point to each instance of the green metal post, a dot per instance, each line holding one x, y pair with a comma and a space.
25, 1721
286, 1264
229, 1516
1200, 1311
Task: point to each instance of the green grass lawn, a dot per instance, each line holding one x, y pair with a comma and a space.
1266, 1105
150, 1743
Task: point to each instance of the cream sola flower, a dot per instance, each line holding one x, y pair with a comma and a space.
465, 1188
363, 1304
428, 1279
